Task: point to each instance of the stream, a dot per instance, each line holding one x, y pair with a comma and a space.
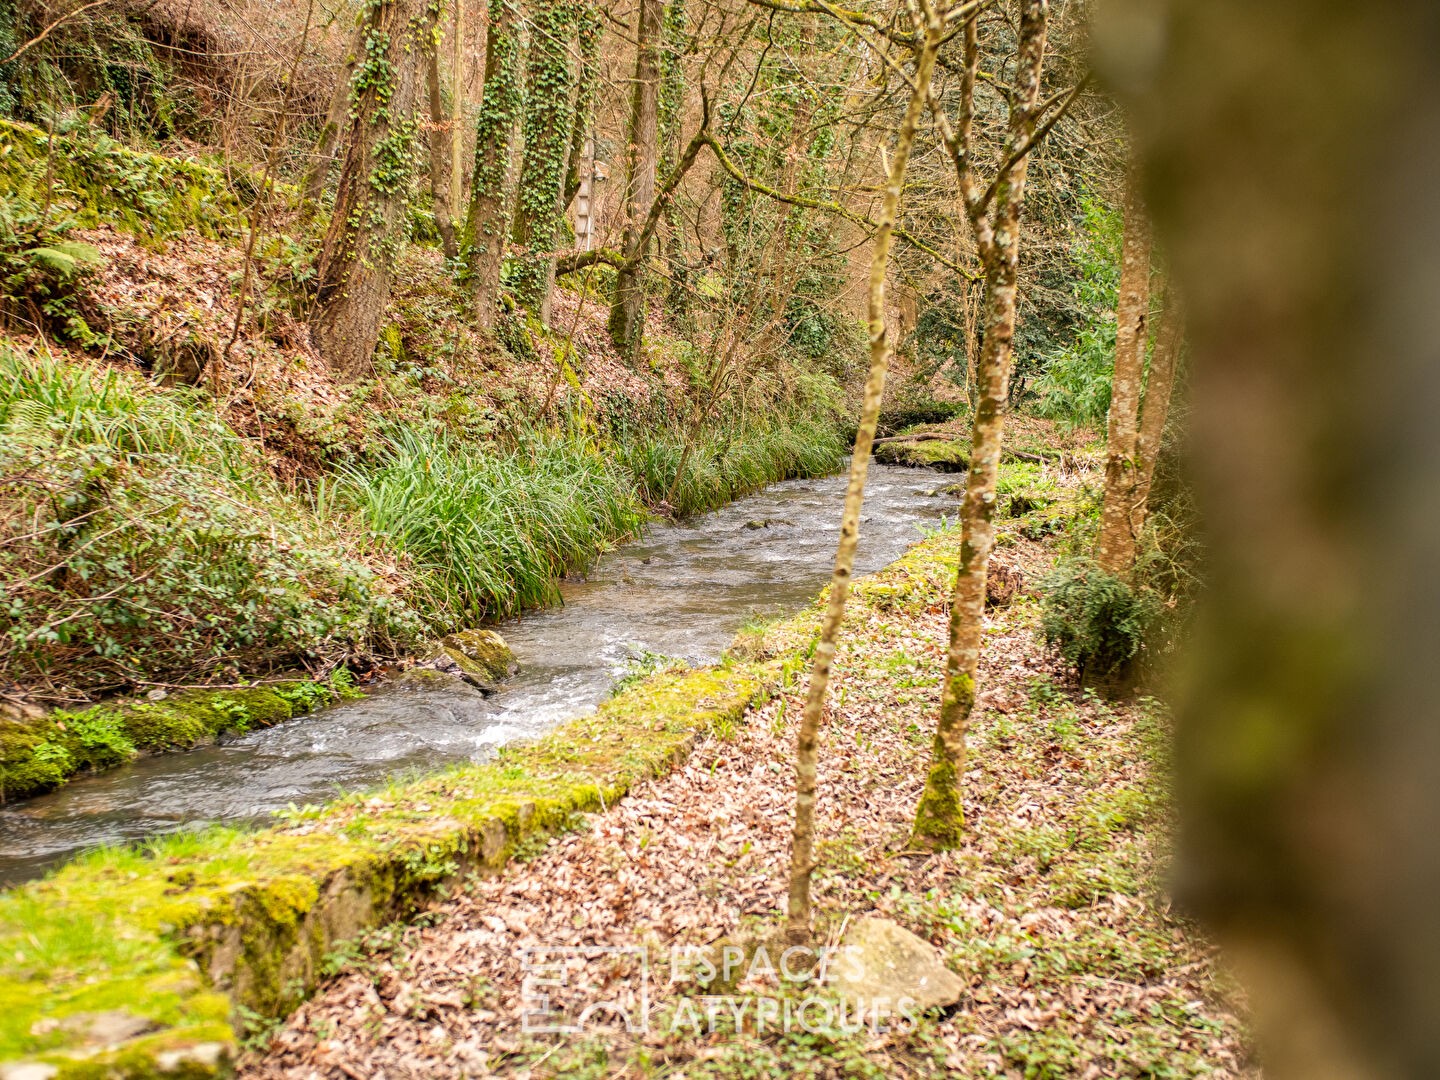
682, 590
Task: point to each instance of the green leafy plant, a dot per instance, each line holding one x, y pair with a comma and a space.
1074, 386
1095, 620
144, 541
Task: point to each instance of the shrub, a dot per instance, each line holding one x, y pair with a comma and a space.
40, 269
1096, 621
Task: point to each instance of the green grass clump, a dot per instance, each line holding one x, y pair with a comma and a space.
142, 540
729, 461
489, 532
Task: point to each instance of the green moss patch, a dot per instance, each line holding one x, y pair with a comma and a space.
173, 941
41, 754
104, 180
944, 454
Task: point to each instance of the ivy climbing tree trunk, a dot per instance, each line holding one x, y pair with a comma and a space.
1115, 549
586, 85
366, 227
802, 850
440, 158
482, 242
672, 107
642, 159
549, 120
995, 220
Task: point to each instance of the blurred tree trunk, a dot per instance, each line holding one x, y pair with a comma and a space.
487, 221
1115, 549
802, 851
441, 138
367, 224
642, 157
995, 219
1291, 149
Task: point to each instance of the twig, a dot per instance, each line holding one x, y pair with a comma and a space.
23, 49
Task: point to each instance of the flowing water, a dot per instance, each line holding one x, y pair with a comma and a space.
681, 590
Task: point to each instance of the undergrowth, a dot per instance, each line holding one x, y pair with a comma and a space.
144, 540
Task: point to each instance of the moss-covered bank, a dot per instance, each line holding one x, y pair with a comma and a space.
101, 179
172, 944
38, 754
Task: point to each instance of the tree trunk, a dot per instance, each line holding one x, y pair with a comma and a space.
549, 120
671, 110
940, 816
587, 85
1115, 549
802, 852
457, 109
336, 117
367, 224
627, 309
488, 219
439, 142
1155, 410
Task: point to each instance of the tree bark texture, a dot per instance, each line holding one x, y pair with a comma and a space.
1155, 409
439, 142
802, 852
1115, 548
457, 108
627, 308
940, 817
367, 224
487, 221
1291, 149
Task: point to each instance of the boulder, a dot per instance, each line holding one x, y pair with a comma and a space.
479, 656
881, 960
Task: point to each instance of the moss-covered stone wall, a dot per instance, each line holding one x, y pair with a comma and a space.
176, 941
101, 179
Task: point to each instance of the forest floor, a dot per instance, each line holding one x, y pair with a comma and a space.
1053, 913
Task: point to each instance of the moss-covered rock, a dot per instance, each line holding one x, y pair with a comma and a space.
946, 455
482, 655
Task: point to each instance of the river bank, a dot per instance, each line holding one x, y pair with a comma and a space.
677, 594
